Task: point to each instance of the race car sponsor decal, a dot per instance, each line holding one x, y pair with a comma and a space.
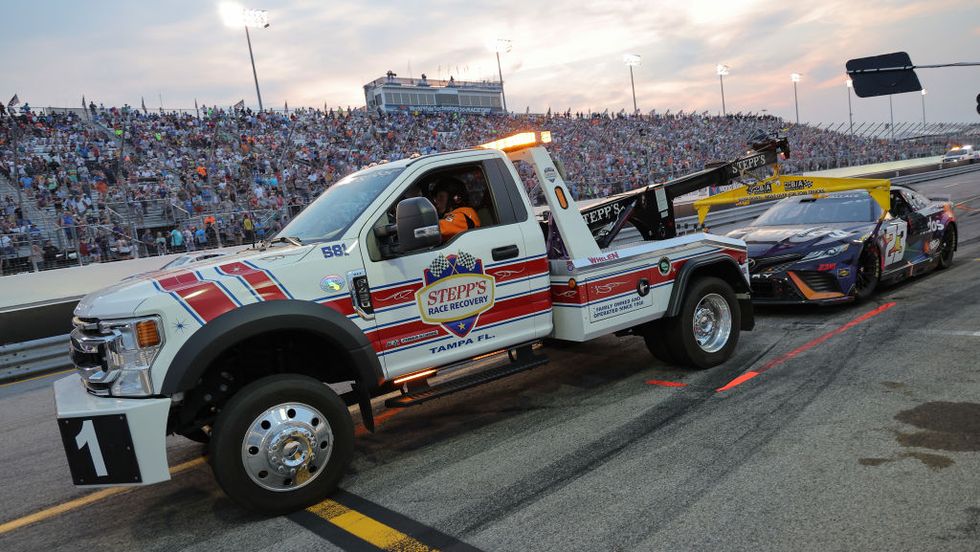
456, 291
795, 185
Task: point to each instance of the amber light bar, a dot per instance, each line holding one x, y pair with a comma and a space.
519, 141
415, 376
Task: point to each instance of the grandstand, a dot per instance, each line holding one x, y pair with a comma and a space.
111, 183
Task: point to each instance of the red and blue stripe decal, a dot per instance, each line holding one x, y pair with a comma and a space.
261, 283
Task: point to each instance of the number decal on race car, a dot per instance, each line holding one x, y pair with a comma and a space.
936, 225
894, 242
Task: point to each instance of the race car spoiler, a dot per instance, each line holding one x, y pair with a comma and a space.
779, 186
651, 209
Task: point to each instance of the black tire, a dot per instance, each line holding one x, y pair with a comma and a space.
868, 273
658, 343
227, 454
680, 335
197, 435
947, 248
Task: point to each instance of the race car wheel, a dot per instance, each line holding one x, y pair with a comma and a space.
656, 338
281, 444
868, 273
947, 248
706, 331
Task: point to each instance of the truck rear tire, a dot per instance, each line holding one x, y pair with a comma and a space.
657, 339
706, 330
281, 444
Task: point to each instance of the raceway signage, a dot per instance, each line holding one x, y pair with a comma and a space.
456, 291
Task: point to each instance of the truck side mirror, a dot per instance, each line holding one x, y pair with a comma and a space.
418, 224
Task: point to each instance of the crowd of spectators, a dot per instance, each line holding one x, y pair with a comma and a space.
108, 183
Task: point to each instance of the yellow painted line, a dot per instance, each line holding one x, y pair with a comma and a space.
366, 528
79, 502
38, 377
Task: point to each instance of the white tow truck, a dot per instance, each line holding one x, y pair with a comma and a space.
261, 354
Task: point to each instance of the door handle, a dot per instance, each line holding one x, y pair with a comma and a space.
505, 252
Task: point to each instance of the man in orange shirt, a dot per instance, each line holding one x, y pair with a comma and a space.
452, 202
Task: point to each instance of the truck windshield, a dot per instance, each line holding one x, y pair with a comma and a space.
331, 214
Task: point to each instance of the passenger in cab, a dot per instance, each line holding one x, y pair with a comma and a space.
452, 202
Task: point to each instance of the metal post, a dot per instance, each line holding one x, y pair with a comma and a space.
500, 72
254, 74
891, 117
721, 79
850, 113
923, 108
633, 86
796, 102
17, 184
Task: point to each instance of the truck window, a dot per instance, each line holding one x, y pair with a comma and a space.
472, 197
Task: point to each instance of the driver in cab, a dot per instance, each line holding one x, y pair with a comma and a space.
455, 214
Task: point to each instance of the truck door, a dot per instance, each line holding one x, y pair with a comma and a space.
479, 291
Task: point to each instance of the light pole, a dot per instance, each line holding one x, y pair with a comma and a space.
502, 45
722, 71
850, 114
795, 77
234, 15
924, 92
891, 118
632, 60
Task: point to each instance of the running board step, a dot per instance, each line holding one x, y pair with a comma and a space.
525, 361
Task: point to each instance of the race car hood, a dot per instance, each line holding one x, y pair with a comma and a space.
764, 241
123, 299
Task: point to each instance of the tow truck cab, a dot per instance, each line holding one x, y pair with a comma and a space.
362, 291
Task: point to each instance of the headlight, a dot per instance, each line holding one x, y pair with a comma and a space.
832, 252
130, 353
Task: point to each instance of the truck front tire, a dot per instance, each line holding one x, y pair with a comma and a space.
281, 444
706, 330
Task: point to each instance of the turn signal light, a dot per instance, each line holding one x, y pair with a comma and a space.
147, 334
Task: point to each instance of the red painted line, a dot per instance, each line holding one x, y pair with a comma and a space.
806, 347
739, 380
663, 383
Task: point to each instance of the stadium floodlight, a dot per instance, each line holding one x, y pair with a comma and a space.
631, 61
924, 92
234, 15
849, 84
498, 46
795, 77
722, 70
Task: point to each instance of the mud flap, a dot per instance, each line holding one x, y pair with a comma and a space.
364, 403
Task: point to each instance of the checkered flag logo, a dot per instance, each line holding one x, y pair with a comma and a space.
466, 260
439, 265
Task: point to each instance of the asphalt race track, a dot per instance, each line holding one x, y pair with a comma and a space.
845, 428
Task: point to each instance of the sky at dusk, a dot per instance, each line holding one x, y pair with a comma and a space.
565, 54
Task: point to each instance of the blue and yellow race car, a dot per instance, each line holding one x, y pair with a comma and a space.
837, 247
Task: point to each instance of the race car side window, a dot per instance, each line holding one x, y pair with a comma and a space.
900, 207
915, 199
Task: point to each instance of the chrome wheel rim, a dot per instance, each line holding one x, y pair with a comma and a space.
712, 323
286, 447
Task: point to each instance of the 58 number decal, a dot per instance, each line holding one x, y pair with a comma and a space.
337, 250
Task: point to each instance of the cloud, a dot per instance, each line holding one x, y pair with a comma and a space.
564, 55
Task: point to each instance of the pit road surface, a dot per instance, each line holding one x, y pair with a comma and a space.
861, 431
